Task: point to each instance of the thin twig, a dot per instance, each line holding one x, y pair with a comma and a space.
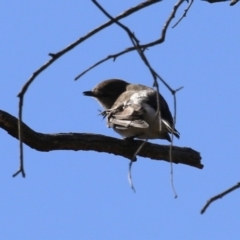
175, 105
219, 196
21, 164
171, 168
184, 14
134, 159
171, 145
233, 2
130, 176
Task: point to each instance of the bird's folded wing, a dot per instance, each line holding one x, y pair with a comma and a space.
124, 124
133, 111
129, 116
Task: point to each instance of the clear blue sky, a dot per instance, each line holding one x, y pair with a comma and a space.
85, 195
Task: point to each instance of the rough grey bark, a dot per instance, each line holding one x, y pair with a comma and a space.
95, 142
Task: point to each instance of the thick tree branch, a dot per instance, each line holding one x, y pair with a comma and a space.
99, 143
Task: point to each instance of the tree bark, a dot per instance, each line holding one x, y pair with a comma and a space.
96, 142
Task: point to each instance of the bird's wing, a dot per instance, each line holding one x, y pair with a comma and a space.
126, 116
125, 124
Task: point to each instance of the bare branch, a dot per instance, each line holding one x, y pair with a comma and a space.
141, 47
55, 56
233, 2
133, 39
83, 141
112, 56
172, 137
219, 196
214, 1
184, 14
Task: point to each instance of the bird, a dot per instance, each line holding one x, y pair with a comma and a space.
131, 110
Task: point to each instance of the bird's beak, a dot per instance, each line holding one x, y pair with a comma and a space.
88, 93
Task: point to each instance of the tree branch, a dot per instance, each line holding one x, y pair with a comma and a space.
133, 39
95, 142
233, 2
140, 46
184, 14
219, 196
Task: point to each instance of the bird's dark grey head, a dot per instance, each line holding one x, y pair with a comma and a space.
108, 91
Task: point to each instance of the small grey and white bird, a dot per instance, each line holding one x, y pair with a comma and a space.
131, 110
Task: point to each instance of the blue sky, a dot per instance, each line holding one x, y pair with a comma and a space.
85, 195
